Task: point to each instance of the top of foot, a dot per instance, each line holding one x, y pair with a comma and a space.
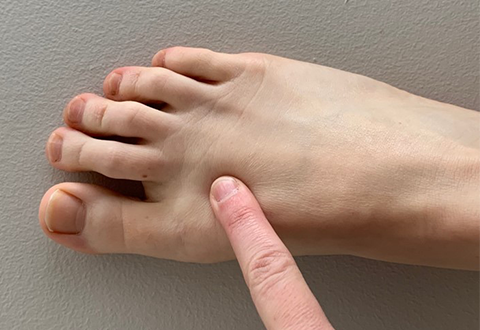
283, 127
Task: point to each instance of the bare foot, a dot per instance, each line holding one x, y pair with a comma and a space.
333, 157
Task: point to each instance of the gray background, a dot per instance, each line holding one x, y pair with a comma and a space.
51, 50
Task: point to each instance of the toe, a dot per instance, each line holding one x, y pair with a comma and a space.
154, 85
92, 219
99, 116
71, 150
199, 63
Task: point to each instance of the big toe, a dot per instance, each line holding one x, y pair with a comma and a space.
91, 219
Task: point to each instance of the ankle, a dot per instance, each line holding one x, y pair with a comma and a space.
430, 214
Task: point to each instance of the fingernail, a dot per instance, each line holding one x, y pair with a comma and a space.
65, 213
55, 148
75, 111
114, 84
224, 188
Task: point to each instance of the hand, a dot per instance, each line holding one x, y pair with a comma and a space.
278, 289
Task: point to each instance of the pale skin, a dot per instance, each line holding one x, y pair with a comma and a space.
340, 163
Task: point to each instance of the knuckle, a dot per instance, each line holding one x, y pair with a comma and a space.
267, 268
161, 78
99, 111
255, 63
134, 82
205, 56
113, 160
81, 154
156, 162
134, 114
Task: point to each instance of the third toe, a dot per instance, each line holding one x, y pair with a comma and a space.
154, 85
96, 115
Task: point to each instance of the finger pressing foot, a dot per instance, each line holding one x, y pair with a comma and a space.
278, 289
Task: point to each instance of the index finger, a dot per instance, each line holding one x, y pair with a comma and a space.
278, 289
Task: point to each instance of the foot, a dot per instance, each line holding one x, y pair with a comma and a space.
322, 150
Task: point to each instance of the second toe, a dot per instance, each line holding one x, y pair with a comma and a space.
71, 150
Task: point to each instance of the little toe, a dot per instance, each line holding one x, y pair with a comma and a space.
92, 219
198, 63
154, 85
71, 150
96, 115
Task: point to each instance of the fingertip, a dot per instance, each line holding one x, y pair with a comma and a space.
224, 188
233, 203
267, 265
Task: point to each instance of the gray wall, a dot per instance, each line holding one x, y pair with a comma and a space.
51, 50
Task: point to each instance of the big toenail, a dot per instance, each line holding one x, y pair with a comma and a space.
75, 111
55, 148
114, 84
65, 213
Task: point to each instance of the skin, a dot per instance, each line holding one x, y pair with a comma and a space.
340, 163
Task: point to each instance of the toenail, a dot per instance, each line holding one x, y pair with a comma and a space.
114, 83
75, 111
65, 213
55, 148
224, 188
160, 58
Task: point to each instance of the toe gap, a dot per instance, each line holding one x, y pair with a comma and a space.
122, 139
